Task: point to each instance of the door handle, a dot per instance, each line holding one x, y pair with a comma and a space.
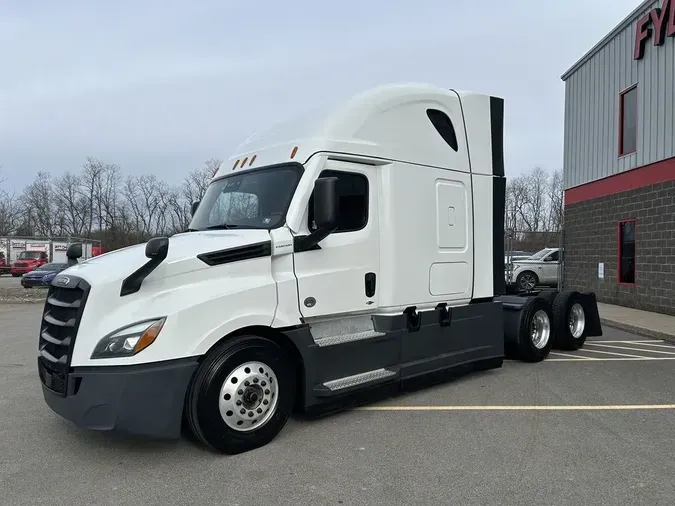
370, 284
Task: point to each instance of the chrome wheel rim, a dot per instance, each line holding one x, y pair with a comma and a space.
527, 282
249, 396
577, 320
540, 329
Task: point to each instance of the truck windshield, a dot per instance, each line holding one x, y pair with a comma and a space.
26, 255
257, 198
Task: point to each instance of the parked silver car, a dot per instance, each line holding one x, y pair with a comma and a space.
541, 269
512, 256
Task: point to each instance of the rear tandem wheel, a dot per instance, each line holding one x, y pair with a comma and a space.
535, 330
569, 321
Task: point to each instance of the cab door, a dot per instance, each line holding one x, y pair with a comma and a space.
341, 275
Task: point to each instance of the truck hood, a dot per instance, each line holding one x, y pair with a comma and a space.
181, 258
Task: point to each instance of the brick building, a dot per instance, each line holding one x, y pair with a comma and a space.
619, 163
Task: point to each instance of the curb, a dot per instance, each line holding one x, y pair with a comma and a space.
641, 331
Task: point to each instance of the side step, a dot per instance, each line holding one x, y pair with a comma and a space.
341, 385
348, 338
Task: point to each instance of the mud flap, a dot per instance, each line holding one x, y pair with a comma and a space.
590, 305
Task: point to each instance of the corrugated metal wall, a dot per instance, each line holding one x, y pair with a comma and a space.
592, 107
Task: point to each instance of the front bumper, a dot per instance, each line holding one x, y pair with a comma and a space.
144, 399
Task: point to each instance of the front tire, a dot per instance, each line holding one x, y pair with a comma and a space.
242, 395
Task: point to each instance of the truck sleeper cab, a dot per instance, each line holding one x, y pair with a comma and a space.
337, 254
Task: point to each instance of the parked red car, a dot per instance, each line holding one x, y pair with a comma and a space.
28, 261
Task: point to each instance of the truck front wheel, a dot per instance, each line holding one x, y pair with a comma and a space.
242, 395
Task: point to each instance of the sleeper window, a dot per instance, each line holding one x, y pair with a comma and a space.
352, 191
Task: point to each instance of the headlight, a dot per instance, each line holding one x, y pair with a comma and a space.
129, 340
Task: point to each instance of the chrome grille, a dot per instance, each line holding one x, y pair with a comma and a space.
60, 321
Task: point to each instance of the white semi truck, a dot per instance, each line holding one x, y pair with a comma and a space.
337, 256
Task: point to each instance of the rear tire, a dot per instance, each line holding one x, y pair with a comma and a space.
242, 395
569, 321
535, 333
549, 296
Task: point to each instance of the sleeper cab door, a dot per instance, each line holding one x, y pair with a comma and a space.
340, 276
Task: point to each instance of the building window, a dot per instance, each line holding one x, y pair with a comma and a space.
628, 121
626, 252
352, 193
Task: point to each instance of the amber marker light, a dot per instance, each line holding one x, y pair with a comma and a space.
148, 337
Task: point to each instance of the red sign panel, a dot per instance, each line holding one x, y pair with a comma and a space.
659, 24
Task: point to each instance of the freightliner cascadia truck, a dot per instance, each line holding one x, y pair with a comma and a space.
336, 256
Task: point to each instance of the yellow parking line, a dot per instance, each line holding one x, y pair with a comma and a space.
618, 407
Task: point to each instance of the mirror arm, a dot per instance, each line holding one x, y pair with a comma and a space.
308, 242
132, 283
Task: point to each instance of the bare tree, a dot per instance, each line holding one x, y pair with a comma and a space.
195, 183
97, 202
38, 205
555, 201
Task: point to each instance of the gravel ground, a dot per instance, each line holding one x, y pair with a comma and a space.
11, 292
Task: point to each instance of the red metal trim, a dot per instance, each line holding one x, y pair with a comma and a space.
640, 177
619, 251
621, 97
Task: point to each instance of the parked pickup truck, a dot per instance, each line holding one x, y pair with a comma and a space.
28, 261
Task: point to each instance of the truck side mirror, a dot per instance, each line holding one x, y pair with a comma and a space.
74, 252
325, 213
195, 205
157, 248
325, 203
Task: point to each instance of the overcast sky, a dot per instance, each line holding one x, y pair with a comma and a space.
160, 86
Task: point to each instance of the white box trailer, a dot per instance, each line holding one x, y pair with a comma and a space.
335, 256
59, 249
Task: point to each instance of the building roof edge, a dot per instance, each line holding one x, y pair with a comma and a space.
607, 38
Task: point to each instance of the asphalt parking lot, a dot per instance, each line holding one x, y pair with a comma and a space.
451, 444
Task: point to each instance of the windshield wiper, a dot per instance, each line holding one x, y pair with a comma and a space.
222, 226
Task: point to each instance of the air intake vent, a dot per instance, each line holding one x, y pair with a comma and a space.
225, 256
60, 321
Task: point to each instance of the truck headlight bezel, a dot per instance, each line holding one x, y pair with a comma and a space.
129, 340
